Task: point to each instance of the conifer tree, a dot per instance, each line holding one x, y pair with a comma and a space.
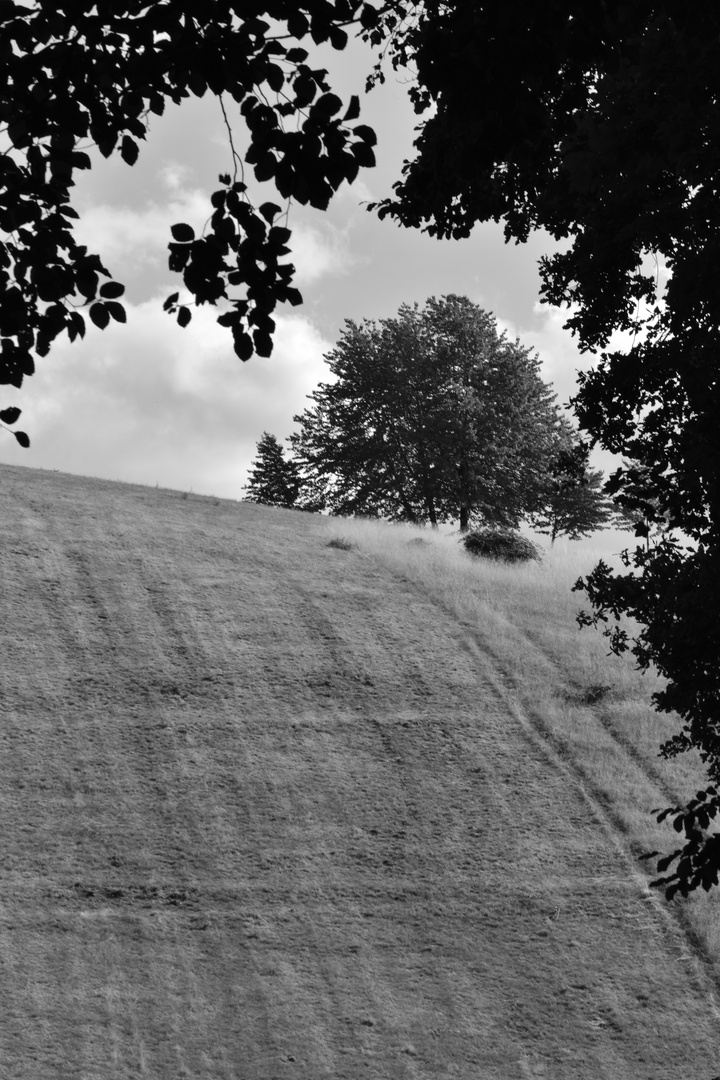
274, 479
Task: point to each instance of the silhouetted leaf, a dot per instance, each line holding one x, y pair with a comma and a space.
184, 316
363, 154
171, 301
111, 290
182, 233
10, 416
22, 438
129, 150
243, 345
365, 133
116, 311
269, 211
353, 109
99, 314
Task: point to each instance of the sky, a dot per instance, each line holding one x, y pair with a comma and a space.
151, 403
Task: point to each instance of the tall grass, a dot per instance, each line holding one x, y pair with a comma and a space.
595, 706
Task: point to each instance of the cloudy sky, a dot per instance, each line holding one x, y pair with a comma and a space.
149, 402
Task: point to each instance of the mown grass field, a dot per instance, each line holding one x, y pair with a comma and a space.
275, 809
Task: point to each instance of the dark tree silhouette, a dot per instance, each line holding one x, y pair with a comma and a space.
273, 479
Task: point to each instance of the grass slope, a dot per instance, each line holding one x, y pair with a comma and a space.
273, 809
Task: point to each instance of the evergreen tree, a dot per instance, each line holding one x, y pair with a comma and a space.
274, 479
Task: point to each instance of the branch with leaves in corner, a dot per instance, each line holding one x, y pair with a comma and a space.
77, 74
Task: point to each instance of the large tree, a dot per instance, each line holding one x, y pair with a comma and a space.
431, 416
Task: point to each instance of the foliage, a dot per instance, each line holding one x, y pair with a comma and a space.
432, 416
575, 504
273, 479
77, 74
503, 544
603, 133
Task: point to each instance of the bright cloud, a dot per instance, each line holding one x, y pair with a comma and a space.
152, 403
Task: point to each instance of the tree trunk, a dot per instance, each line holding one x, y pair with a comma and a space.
464, 519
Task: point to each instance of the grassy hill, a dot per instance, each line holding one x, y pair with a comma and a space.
277, 809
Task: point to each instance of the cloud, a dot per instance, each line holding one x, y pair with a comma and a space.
152, 403
130, 240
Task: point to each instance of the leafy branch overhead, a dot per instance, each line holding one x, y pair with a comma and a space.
77, 74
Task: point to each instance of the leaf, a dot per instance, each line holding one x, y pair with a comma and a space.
265, 168
171, 301
107, 145
99, 314
117, 311
275, 77
365, 133
269, 211
263, 343
363, 154
278, 236
293, 297
298, 27
183, 233
129, 150
329, 104
111, 290
184, 316
9, 416
243, 345
338, 37
353, 109
22, 439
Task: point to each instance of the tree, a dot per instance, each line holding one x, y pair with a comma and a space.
274, 479
78, 74
575, 504
603, 132
432, 416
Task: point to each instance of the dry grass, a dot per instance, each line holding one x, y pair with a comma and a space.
276, 808
596, 705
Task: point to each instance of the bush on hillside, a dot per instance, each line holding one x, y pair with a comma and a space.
503, 544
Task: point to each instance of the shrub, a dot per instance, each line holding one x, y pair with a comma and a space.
340, 543
503, 544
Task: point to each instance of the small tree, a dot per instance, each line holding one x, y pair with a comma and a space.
274, 479
576, 503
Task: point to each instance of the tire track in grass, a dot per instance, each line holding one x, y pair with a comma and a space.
340, 853
508, 686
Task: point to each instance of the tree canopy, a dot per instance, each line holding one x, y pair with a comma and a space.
431, 416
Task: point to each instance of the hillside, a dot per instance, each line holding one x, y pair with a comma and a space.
272, 810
